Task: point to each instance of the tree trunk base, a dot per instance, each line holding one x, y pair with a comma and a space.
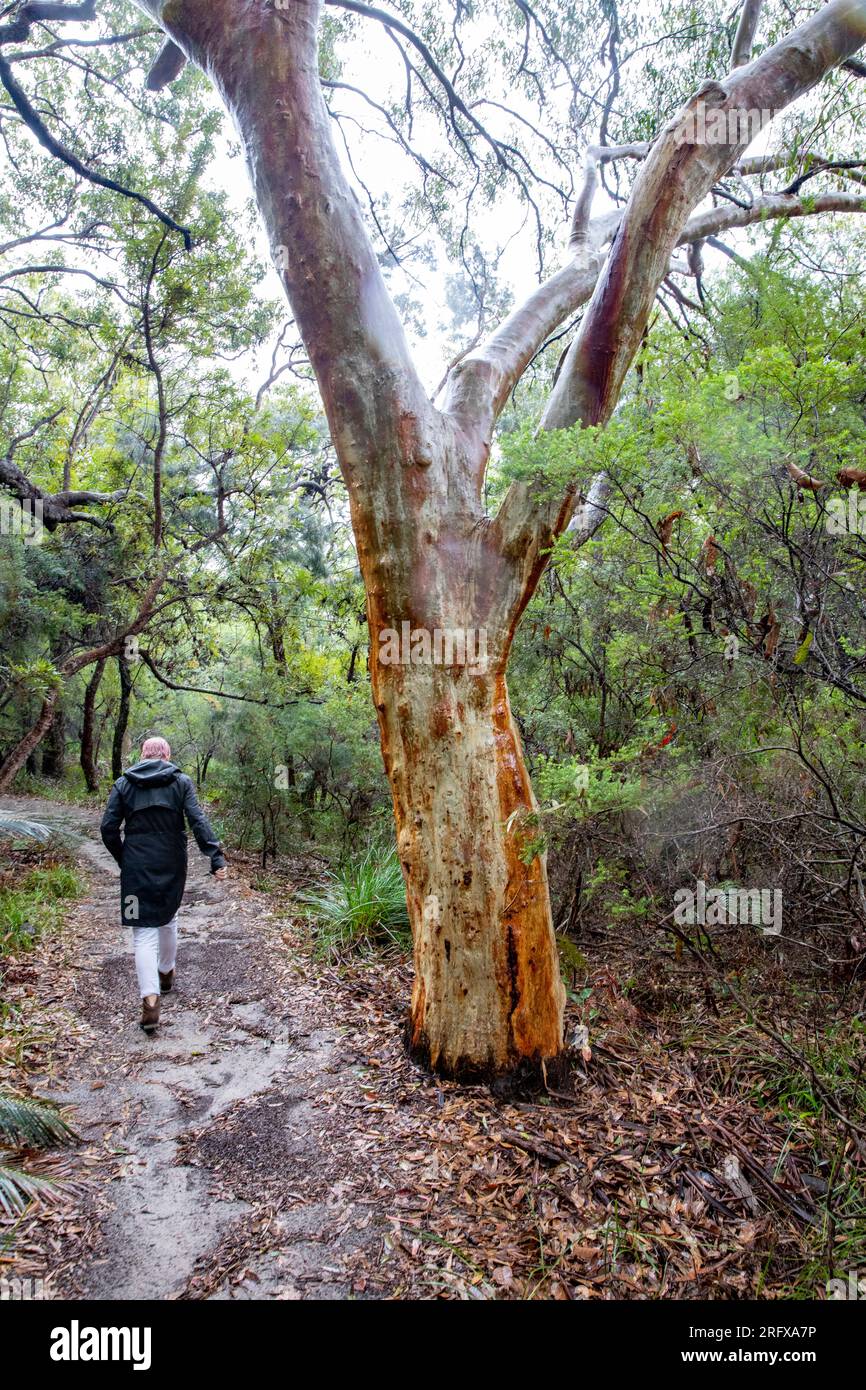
487, 991
527, 1076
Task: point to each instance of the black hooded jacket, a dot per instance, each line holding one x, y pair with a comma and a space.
151, 801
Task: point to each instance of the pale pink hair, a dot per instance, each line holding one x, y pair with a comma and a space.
156, 748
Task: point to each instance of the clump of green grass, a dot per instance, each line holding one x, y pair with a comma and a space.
361, 906
34, 904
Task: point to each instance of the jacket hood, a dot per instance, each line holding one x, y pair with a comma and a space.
152, 772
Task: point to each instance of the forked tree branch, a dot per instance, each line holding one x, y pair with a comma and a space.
264, 62
678, 173
482, 381
37, 13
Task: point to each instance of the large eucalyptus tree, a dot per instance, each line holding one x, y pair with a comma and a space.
488, 997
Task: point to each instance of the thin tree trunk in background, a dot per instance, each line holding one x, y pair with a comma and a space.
162, 412
122, 723
54, 752
31, 740
275, 627
100, 731
88, 756
34, 758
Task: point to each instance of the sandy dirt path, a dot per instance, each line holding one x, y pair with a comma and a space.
214, 1180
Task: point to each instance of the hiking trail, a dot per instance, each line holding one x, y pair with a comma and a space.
212, 1121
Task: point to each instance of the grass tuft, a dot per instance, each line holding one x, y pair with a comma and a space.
360, 906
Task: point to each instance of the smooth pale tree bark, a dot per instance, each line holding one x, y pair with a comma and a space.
487, 997
678, 173
745, 35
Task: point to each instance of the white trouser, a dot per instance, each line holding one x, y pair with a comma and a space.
155, 950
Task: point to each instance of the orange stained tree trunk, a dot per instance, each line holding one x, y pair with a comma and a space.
445, 588
487, 996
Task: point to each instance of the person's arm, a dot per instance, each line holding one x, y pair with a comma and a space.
111, 823
201, 828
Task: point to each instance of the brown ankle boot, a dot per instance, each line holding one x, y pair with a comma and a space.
166, 981
149, 1015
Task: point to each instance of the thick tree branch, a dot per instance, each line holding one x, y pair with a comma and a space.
580, 222
56, 506
677, 174
768, 208
590, 513
167, 67
480, 383
264, 62
36, 13
745, 35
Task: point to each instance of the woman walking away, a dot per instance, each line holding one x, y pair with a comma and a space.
152, 799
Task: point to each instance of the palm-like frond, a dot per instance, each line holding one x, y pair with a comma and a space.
18, 1189
26, 829
26, 1123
